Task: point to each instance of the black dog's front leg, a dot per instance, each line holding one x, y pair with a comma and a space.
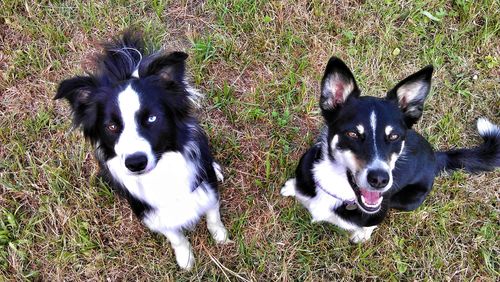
410, 197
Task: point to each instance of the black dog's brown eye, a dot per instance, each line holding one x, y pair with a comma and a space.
393, 137
352, 134
112, 127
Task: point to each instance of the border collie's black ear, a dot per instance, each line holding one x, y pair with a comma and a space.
410, 94
169, 67
80, 91
76, 90
337, 86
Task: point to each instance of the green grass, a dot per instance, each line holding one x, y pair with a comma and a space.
259, 64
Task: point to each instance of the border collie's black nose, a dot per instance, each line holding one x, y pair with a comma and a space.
378, 178
136, 162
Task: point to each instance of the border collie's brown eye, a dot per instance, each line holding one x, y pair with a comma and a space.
112, 127
393, 137
352, 134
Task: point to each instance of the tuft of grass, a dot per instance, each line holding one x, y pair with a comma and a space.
259, 64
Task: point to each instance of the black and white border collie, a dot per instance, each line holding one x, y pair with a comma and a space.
368, 159
137, 111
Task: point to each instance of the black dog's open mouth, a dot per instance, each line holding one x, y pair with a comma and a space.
368, 200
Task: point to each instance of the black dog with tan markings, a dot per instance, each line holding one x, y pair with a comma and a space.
368, 159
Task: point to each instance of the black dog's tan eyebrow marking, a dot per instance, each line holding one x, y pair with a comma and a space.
388, 130
360, 128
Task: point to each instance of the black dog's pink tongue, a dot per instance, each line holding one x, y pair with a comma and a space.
370, 197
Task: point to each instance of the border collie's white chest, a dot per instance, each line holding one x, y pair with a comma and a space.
168, 190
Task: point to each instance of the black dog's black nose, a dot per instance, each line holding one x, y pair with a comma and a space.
378, 178
136, 162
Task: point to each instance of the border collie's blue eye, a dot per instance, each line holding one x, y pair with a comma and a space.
151, 119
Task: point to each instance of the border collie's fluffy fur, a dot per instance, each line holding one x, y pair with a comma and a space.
136, 110
368, 159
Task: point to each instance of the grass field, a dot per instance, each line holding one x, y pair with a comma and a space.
259, 64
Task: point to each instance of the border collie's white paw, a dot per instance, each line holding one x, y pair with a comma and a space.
289, 189
362, 235
218, 172
219, 234
216, 227
184, 257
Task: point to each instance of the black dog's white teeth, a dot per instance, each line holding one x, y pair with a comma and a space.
369, 206
375, 205
371, 198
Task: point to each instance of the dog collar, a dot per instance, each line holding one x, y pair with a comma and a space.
349, 204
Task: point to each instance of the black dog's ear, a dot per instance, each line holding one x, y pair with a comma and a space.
337, 86
79, 91
169, 67
411, 93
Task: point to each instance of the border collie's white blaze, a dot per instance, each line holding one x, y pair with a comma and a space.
137, 112
368, 159
132, 149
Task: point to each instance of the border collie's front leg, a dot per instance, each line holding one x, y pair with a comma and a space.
182, 249
215, 226
362, 234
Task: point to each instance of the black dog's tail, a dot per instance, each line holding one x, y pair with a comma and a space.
485, 157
